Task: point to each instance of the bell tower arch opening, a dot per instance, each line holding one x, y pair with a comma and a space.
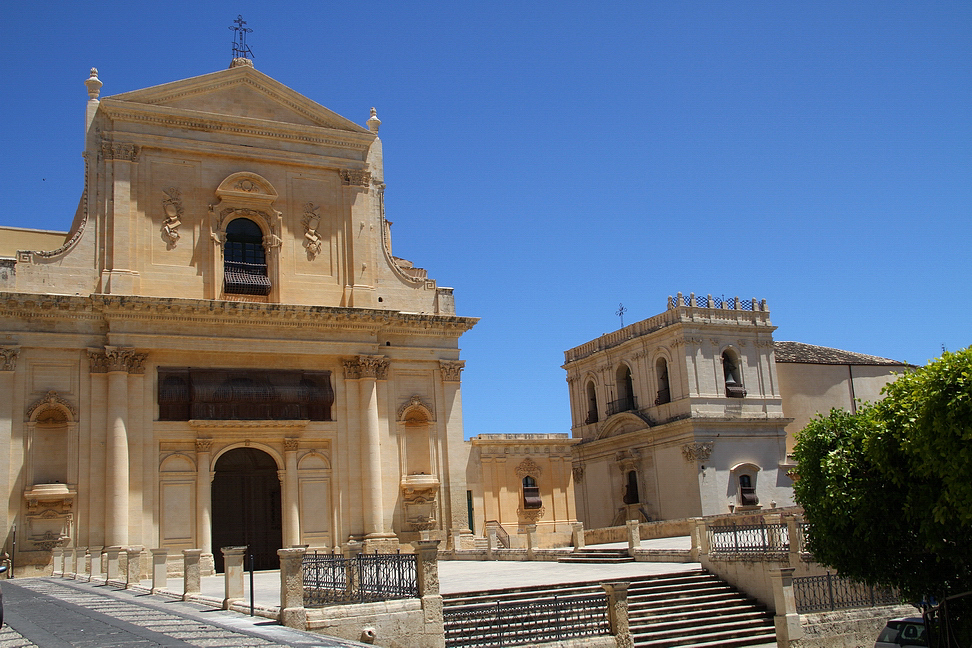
246, 506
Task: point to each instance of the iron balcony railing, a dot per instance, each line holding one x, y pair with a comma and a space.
621, 405
331, 579
769, 540
831, 592
525, 623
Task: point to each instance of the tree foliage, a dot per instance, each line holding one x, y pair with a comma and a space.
888, 490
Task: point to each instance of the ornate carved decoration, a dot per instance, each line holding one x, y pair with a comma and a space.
741, 343
116, 359
311, 221
697, 451
8, 358
451, 369
48, 540
204, 445
578, 471
628, 460
172, 206
415, 402
352, 369
714, 341
419, 501
693, 340
356, 177
528, 467
291, 444
52, 400
117, 151
531, 515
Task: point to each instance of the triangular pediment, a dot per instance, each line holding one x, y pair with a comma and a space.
240, 92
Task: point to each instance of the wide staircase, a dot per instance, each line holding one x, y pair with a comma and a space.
597, 556
692, 609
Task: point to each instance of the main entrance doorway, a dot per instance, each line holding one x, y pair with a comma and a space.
246, 507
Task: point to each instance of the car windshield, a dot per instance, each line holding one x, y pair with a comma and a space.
904, 633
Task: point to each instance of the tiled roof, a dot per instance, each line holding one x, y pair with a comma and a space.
813, 354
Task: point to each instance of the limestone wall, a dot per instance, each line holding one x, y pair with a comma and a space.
848, 628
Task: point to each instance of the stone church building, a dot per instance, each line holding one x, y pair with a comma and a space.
223, 349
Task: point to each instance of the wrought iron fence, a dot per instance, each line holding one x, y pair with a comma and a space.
522, 623
832, 592
769, 540
330, 579
625, 404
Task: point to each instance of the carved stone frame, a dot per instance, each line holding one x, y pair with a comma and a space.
246, 195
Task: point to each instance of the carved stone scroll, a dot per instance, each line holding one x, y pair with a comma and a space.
172, 206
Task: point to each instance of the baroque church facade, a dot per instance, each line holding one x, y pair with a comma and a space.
223, 349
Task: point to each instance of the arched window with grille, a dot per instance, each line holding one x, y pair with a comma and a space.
661, 375
244, 259
591, 403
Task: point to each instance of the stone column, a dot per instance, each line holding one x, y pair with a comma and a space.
134, 569
291, 495
634, 536
204, 504
160, 569
190, 573
371, 444
8, 366
454, 488
577, 536
531, 538
116, 495
292, 612
232, 575
114, 565
787, 619
617, 594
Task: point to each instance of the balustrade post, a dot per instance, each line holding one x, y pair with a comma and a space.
160, 569
531, 538
427, 576
634, 536
190, 573
133, 570
786, 619
490, 544
352, 551
617, 608
292, 612
233, 575
57, 561
793, 533
577, 536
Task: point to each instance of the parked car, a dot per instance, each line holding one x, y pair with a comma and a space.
906, 631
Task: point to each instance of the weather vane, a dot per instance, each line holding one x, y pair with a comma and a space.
240, 48
620, 313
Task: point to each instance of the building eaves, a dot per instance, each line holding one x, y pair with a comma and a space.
799, 352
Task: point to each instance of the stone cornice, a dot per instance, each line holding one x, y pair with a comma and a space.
248, 126
225, 313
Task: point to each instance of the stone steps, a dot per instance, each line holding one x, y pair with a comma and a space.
597, 556
690, 609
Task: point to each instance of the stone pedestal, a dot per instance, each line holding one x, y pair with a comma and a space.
114, 566
531, 540
190, 573
133, 570
786, 619
292, 612
233, 575
160, 569
80, 562
57, 561
95, 572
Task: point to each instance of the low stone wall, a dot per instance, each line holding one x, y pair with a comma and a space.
857, 628
649, 531
382, 624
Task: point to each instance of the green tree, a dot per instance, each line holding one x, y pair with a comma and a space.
888, 490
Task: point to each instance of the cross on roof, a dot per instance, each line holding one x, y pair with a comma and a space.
240, 48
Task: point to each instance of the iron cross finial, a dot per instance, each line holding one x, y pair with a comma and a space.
240, 48
620, 313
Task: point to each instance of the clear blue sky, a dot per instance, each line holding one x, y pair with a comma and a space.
552, 160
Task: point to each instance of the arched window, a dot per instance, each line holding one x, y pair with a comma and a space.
244, 259
733, 374
626, 399
661, 373
591, 403
531, 493
631, 489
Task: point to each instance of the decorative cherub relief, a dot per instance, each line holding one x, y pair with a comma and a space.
311, 221
172, 206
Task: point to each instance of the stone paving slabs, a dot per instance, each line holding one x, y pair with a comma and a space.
55, 613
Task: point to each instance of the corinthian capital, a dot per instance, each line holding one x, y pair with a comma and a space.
8, 358
366, 366
451, 369
113, 359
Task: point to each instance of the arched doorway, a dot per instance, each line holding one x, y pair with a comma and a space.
246, 506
